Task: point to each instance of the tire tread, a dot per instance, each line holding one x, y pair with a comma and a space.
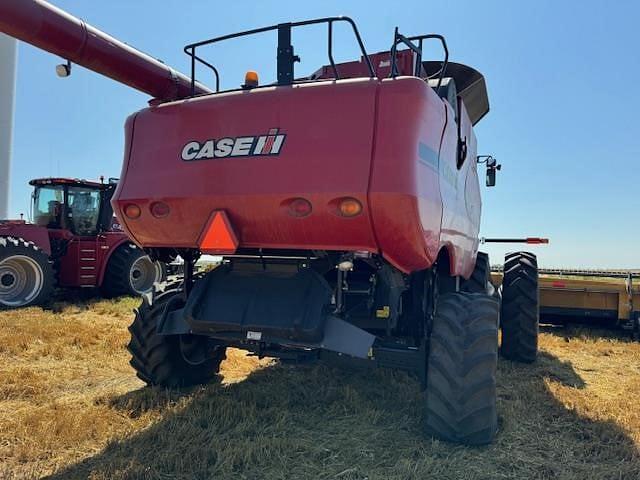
157, 359
520, 309
116, 277
461, 370
10, 246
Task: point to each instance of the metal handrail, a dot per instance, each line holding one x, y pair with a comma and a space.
285, 49
409, 42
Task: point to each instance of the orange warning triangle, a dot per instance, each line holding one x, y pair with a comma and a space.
219, 236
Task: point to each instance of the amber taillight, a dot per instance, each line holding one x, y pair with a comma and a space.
132, 211
349, 207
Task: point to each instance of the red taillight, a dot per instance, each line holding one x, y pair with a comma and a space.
159, 209
132, 211
300, 207
349, 207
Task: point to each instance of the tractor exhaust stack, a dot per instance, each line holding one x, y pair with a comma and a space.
47, 27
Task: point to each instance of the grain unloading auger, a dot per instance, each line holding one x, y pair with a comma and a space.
346, 205
55, 31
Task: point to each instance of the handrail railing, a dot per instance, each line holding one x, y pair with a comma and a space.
398, 38
286, 57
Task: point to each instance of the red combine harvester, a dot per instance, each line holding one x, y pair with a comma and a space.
346, 205
74, 241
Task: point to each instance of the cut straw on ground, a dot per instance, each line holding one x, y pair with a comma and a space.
71, 407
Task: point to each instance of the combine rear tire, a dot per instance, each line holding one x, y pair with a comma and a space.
26, 275
131, 272
480, 280
461, 370
520, 307
170, 360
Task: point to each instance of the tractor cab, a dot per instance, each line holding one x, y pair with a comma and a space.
80, 206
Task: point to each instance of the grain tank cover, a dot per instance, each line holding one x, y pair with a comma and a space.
470, 84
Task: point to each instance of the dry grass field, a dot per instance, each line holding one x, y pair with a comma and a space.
70, 407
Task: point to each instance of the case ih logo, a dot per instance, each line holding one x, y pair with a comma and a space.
269, 144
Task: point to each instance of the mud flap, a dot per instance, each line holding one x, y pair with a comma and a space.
343, 337
289, 309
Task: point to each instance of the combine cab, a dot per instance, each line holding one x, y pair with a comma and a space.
74, 241
346, 205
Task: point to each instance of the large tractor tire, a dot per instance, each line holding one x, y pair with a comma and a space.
461, 369
480, 280
520, 310
26, 274
170, 360
130, 271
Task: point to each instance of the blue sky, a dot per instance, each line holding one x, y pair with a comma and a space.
562, 84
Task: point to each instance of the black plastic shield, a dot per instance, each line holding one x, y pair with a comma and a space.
290, 306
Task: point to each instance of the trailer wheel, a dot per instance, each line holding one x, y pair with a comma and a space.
26, 274
520, 307
130, 271
170, 360
461, 369
480, 280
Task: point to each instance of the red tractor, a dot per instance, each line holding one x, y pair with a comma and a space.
74, 241
346, 205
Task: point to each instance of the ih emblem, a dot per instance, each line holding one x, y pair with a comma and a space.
269, 144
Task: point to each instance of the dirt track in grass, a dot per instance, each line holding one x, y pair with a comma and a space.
71, 407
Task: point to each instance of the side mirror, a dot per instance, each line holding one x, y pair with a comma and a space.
492, 168
491, 177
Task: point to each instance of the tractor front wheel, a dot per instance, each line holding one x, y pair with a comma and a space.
461, 369
170, 360
130, 271
26, 275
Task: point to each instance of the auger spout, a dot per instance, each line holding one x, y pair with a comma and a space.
51, 29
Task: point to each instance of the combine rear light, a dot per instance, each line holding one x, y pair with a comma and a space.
300, 208
159, 209
132, 211
349, 207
